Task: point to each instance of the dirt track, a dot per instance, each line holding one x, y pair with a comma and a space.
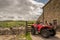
37, 37
7, 37
11, 37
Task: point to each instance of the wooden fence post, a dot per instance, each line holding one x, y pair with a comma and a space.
26, 27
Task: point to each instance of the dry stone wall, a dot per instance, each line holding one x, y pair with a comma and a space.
12, 31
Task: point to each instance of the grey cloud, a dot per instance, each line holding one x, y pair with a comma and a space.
19, 8
5, 3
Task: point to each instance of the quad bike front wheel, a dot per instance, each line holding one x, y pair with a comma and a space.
33, 32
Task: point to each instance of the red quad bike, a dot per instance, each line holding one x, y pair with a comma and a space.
44, 30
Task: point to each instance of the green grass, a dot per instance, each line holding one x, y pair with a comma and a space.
14, 23
28, 37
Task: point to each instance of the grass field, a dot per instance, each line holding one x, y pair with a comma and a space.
14, 23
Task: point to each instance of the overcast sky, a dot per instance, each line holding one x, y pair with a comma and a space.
21, 9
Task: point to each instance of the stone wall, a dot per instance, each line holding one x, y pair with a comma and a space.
51, 12
12, 31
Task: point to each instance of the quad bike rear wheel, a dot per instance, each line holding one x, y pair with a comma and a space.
53, 32
45, 33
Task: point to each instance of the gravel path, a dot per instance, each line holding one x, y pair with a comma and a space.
37, 37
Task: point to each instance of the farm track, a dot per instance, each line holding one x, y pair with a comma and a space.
7, 37
38, 37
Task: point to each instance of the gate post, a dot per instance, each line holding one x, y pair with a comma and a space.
26, 27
